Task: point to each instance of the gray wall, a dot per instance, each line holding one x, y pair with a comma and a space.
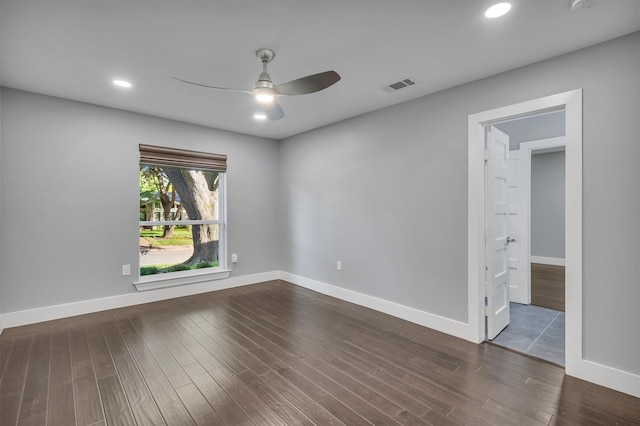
0, 192
386, 193
1, 208
70, 197
547, 204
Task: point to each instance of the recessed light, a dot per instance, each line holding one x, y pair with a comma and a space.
122, 83
497, 10
260, 116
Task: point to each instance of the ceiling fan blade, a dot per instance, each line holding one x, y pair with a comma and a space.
274, 111
309, 84
214, 87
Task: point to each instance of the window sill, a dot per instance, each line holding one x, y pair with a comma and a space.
173, 279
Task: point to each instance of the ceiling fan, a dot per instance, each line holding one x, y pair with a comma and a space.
266, 92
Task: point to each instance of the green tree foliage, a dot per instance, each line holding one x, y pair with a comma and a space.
149, 190
156, 188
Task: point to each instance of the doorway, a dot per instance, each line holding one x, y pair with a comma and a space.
485, 302
534, 263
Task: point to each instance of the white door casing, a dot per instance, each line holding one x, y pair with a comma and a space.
497, 235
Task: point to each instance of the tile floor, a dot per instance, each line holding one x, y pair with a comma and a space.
535, 331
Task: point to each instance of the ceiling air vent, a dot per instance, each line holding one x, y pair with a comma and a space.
400, 85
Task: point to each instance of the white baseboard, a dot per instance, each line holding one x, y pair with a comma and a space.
556, 261
610, 377
436, 322
48, 313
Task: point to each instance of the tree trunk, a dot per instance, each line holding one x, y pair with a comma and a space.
167, 231
168, 204
164, 188
199, 202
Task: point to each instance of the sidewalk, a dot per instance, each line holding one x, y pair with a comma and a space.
162, 255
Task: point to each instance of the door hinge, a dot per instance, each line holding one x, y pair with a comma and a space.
486, 155
486, 311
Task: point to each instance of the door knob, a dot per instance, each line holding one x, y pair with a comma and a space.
510, 240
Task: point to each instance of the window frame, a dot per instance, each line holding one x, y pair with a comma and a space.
170, 279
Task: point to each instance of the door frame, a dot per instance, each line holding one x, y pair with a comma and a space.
571, 102
527, 150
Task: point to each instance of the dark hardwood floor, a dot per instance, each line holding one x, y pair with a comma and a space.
277, 354
547, 286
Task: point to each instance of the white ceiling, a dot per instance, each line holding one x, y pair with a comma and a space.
73, 49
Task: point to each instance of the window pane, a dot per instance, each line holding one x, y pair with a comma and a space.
171, 248
173, 194
178, 194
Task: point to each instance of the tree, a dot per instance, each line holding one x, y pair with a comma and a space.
198, 196
154, 178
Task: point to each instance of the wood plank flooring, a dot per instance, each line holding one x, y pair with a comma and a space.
278, 354
547, 286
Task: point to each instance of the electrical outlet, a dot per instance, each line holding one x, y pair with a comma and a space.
126, 269
339, 265
234, 258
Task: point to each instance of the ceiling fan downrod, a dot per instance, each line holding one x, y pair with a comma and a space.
264, 80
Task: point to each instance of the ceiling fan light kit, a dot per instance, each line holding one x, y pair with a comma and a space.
265, 91
264, 96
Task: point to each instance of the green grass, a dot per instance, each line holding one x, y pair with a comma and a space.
180, 237
161, 269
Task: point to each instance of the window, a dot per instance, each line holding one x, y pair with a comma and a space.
182, 212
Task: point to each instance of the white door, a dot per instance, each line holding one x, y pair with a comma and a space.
517, 229
497, 234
